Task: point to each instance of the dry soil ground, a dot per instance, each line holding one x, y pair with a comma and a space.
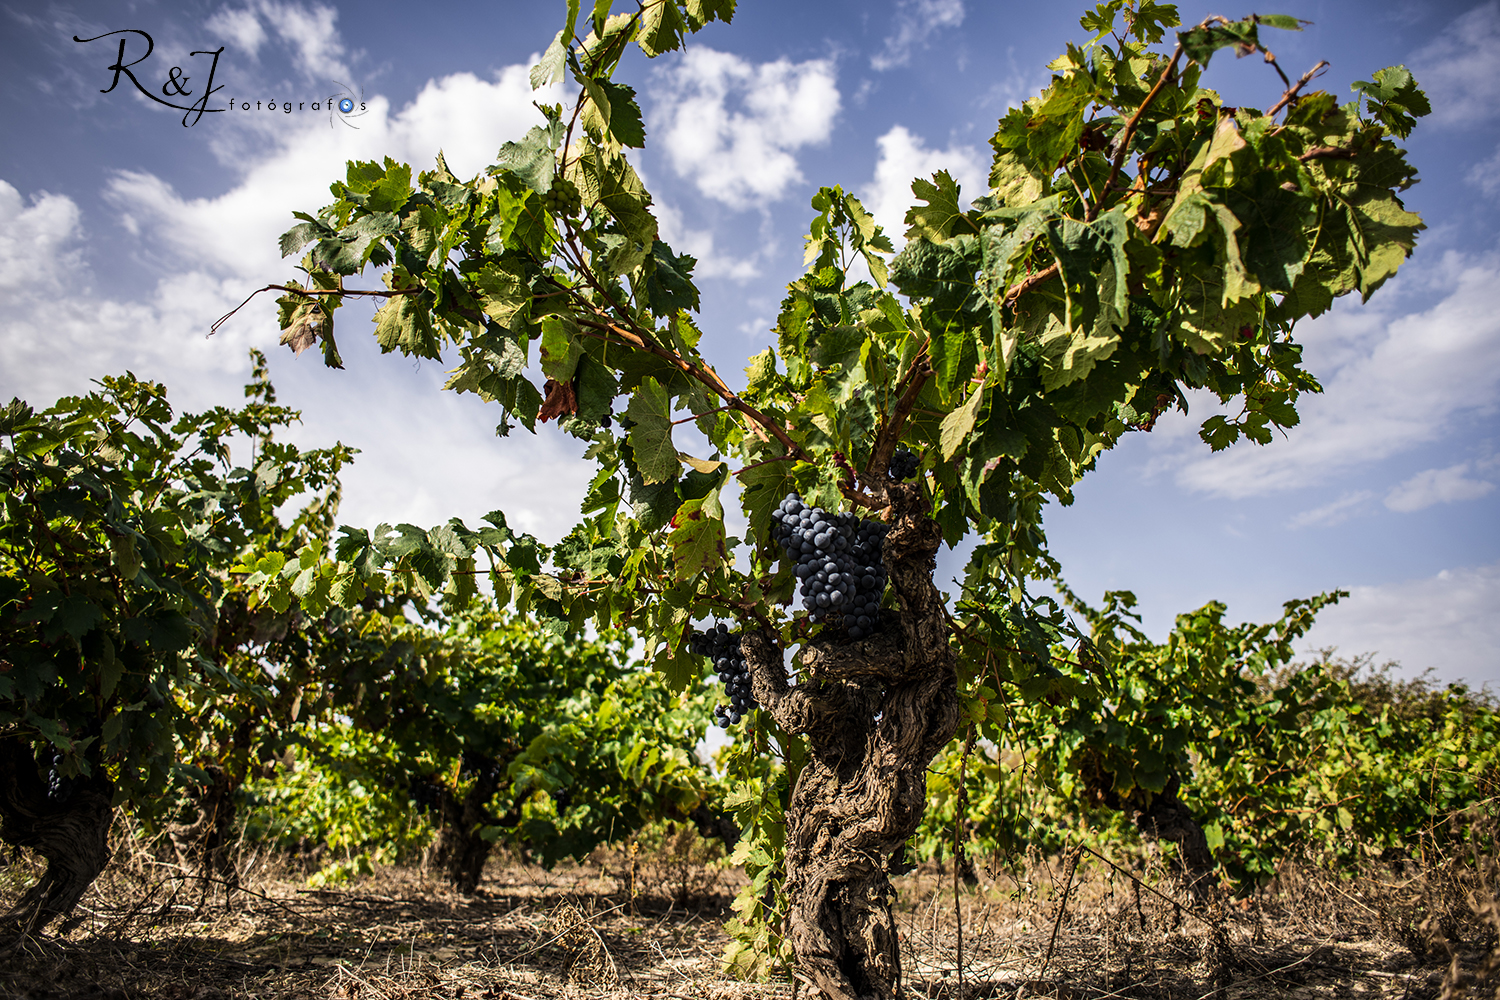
579, 931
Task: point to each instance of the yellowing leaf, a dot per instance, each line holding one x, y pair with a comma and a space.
703, 465
697, 538
761, 370
1226, 141
959, 423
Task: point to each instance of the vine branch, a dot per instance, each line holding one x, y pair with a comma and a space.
1291, 92
312, 293
1128, 133
890, 434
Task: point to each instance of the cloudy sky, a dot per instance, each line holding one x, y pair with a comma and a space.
124, 234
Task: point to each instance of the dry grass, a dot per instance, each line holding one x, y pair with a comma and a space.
648, 923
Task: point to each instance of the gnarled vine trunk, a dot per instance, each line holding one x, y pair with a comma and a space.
73, 836
204, 844
460, 848
875, 713
1167, 818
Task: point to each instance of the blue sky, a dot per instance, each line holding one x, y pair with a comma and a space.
124, 234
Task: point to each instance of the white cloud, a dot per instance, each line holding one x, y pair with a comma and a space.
700, 243
241, 27
1458, 68
427, 454
733, 127
916, 20
33, 240
1485, 175
1333, 513
1396, 383
1450, 622
903, 157
1435, 486
235, 233
310, 31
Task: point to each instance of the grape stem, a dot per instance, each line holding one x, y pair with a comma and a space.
890, 435
1291, 92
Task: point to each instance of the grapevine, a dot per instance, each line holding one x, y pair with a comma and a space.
1138, 241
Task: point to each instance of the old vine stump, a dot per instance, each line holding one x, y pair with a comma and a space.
874, 713
73, 836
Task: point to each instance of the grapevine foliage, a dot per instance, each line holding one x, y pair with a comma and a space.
116, 625
165, 637
1313, 760
568, 741
1138, 239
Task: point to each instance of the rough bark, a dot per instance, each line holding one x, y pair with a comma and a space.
1166, 818
713, 822
204, 845
875, 713
73, 836
460, 849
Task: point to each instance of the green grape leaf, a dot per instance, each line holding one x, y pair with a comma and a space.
596, 387
612, 107
700, 12
404, 324
1394, 99
302, 234
670, 286
936, 220
1200, 43
651, 433
761, 489
503, 291
530, 160
550, 68
959, 424
1014, 181
662, 27
561, 347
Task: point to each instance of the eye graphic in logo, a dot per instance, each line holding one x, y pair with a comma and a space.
349, 105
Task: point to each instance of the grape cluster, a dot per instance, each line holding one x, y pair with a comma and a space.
479, 765
723, 647
59, 788
562, 198
427, 793
903, 465
838, 562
